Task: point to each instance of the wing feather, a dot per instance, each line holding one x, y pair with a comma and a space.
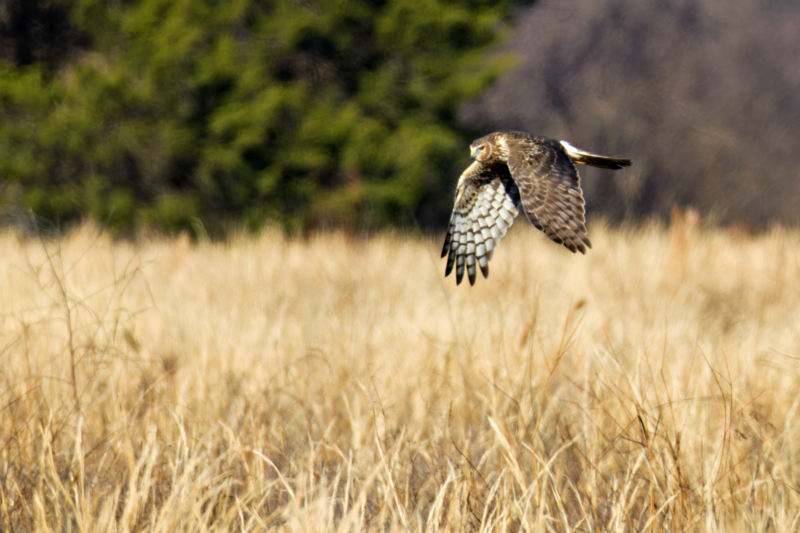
487, 201
550, 190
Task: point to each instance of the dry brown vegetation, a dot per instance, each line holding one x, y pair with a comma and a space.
334, 384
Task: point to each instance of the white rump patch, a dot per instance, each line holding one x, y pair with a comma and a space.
572, 151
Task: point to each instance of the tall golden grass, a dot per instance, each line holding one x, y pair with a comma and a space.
340, 384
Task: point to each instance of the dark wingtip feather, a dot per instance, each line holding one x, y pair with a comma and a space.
451, 260
448, 238
460, 266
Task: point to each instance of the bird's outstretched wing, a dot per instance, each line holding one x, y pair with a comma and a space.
550, 190
487, 200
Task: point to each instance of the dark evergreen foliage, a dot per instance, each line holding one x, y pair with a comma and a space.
172, 113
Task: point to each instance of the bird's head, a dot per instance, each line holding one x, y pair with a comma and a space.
480, 149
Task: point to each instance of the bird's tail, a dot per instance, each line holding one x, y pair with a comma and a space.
586, 158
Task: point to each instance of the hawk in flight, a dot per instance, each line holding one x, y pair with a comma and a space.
513, 169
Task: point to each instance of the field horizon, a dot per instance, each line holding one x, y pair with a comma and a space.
344, 384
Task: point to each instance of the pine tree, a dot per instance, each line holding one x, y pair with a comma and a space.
179, 112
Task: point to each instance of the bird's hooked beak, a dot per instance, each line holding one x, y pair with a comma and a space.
472, 152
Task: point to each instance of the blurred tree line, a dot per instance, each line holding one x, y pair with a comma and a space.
703, 95
188, 113
179, 113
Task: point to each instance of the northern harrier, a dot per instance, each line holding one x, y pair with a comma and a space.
510, 169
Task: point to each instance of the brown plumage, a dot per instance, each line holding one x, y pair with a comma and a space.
513, 169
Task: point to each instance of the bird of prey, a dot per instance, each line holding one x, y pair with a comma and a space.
513, 169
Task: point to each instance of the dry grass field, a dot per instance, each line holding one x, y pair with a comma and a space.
340, 384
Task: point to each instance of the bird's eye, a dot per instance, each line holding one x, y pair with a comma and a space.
475, 151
